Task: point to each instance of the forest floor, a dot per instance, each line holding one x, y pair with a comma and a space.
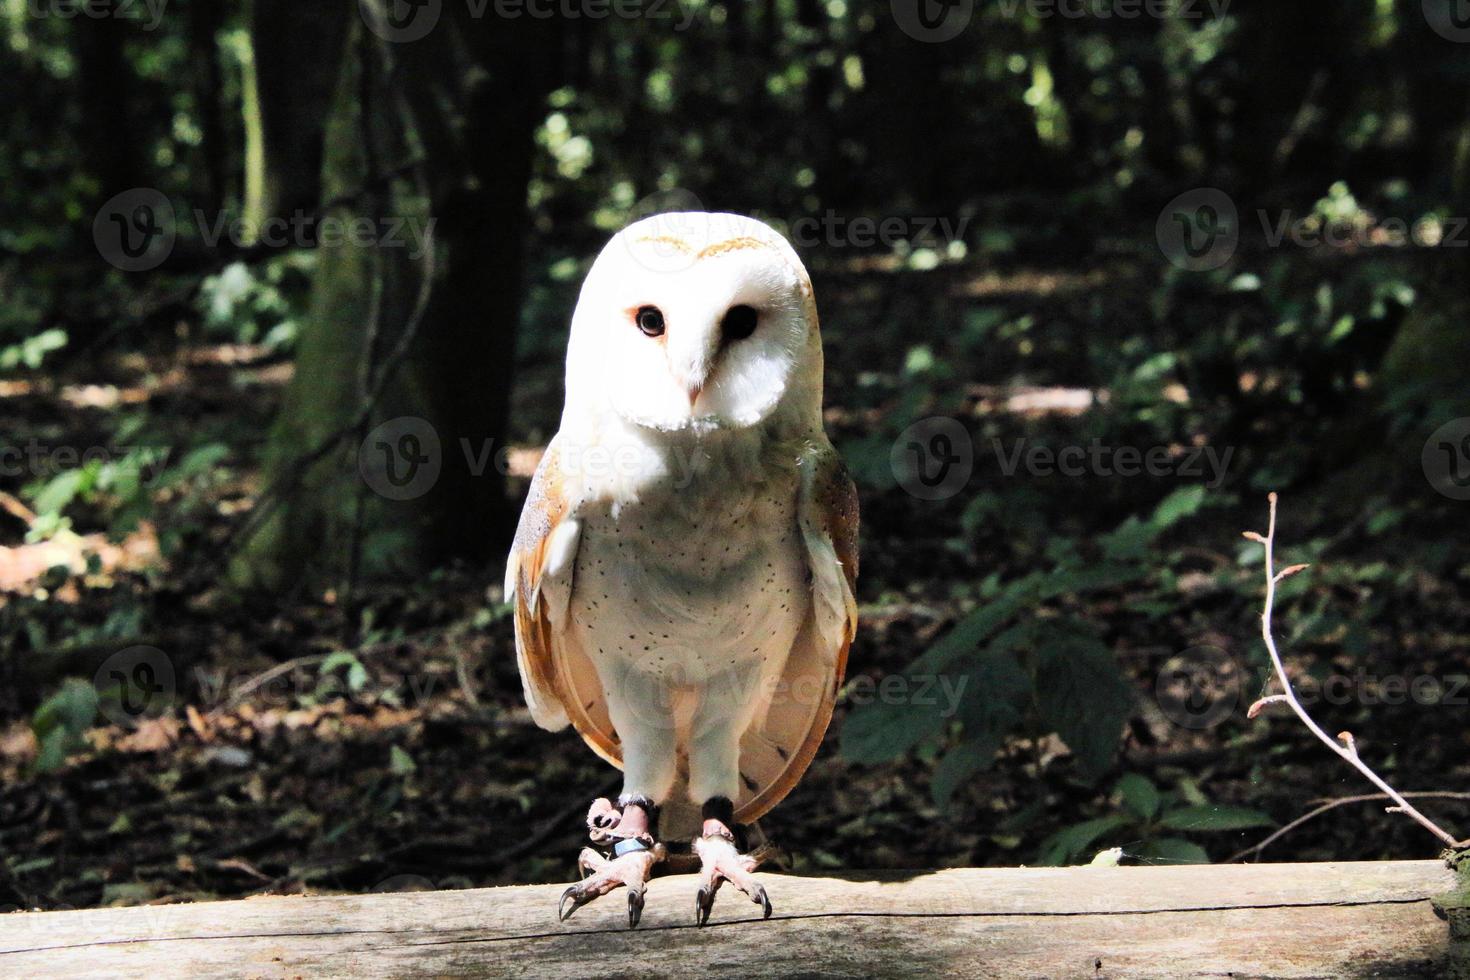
412, 762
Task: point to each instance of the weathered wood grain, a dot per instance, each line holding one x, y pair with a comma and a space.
1274, 920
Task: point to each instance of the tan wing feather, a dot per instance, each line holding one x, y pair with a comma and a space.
546, 506
560, 683
775, 754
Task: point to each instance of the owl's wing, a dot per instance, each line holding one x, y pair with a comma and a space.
778, 747
828, 513
538, 584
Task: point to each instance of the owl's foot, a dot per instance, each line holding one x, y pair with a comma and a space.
627, 827
632, 870
720, 861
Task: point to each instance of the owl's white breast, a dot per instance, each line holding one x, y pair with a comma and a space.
698, 572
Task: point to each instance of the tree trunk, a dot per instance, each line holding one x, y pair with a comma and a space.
206, 17
296, 67
396, 500
105, 84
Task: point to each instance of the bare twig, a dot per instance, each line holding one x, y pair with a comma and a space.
12, 506
1259, 849
1344, 745
279, 670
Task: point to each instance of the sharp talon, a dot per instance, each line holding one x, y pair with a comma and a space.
763, 900
635, 908
562, 912
704, 901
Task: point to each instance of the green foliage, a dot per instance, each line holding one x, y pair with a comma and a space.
61, 722
125, 487
1020, 666
259, 304
355, 673
1081, 694
400, 763
32, 351
1145, 812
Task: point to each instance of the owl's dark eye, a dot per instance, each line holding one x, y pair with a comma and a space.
739, 323
650, 320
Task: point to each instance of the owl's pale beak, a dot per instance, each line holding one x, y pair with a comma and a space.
694, 391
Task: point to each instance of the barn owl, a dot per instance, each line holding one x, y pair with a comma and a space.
683, 573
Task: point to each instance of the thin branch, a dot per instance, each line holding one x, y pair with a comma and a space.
1259, 849
13, 506
1344, 745
279, 670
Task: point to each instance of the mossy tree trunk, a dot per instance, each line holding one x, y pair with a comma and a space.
294, 50
463, 102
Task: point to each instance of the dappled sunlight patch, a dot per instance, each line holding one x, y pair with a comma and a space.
1033, 282
23, 567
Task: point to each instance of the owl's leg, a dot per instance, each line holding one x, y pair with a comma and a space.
720, 860
726, 709
639, 708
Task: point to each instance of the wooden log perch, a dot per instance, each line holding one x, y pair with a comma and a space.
1278, 920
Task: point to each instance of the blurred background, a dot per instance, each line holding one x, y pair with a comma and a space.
286, 288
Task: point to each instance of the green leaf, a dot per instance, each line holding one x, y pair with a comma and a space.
1066, 844
1081, 693
1172, 850
880, 732
59, 491
1071, 581
1139, 795
400, 763
958, 766
1131, 539
975, 628
1128, 542
202, 459
1015, 597
997, 691
61, 721
342, 658
1209, 817
1182, 503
